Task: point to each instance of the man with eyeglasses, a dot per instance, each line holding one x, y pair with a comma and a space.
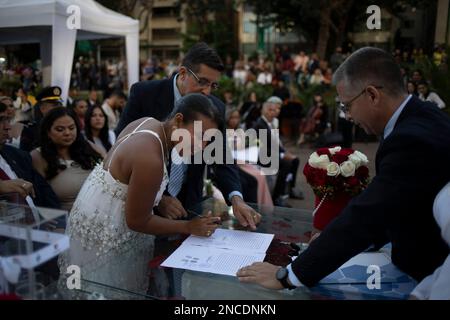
17, 175
199, 73
397, 206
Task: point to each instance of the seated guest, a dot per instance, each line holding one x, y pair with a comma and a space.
113, 106
412, 88
426, 95
65, 158
437, 285
17, 174
79, 107
397, 206
71, 97
93, 98
16, 127
287, 174
315, 121
23, 105
96, 129
250, 110
48, 99
233, 120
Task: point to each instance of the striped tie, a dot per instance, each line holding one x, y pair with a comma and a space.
176, 178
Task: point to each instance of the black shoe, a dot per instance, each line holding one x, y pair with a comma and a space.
294, 194
280, 202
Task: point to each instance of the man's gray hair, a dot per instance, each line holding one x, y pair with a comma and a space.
371, 66
274, 100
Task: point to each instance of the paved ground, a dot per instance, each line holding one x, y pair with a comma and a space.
305, 151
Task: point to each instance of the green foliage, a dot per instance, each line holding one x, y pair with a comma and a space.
241, 93
9, 85
218, 32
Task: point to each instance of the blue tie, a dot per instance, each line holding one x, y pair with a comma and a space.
176, 178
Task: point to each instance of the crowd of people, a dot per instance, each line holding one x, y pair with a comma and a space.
84, 158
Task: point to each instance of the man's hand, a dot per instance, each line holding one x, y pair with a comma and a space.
20, 186
261, 273
244, 213
171, 208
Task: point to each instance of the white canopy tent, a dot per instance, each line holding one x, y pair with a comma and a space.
45, 22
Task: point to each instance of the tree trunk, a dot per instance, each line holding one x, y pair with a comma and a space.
324, 28
340, 37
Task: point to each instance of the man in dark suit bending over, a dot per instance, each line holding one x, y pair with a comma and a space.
412, 167
199, 73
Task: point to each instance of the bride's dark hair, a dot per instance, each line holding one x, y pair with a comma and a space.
191, 105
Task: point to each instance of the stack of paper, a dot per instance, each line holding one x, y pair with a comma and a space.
225, 252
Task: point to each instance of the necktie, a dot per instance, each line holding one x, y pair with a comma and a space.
176, 178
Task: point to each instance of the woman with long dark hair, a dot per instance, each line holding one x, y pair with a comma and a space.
97, 131
64, 158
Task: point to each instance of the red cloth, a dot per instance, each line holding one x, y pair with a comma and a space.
329, 210
3, 175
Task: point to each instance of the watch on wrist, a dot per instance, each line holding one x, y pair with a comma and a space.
282, 277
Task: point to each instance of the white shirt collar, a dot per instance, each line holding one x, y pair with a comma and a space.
393, 120
176, 92
267, 121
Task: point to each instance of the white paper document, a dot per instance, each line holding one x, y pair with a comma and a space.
225, 252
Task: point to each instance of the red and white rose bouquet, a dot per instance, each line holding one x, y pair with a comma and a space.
335, 175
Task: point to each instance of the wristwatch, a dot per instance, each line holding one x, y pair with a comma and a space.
282, 276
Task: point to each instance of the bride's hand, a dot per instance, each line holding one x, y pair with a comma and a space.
203, 226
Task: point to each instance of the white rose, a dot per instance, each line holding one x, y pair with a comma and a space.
355, 159
362, 156
333, 169
335, 150
348, 169
319, 162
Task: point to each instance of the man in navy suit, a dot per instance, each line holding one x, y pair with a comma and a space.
397, 207
16, 171
199, 73
288, 163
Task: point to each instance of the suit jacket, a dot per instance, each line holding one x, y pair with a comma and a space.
397, 207
262, 124
156, 99
20, 162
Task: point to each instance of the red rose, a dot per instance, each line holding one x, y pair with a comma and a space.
362, 172
320, 177
339, 158
323, 151
353, 182
346, 152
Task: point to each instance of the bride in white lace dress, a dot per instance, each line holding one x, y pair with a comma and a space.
111, 225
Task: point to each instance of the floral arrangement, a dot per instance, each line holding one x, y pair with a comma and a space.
337, 170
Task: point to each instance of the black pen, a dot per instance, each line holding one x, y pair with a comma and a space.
202, 216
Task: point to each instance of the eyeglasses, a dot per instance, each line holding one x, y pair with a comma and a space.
202, 82
345, 106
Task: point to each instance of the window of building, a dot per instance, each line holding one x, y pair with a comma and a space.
164, 34
166, 12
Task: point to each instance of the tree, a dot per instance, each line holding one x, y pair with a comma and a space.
318, 20
127, 7
211, 21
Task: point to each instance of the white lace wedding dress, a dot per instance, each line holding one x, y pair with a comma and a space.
101, 243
